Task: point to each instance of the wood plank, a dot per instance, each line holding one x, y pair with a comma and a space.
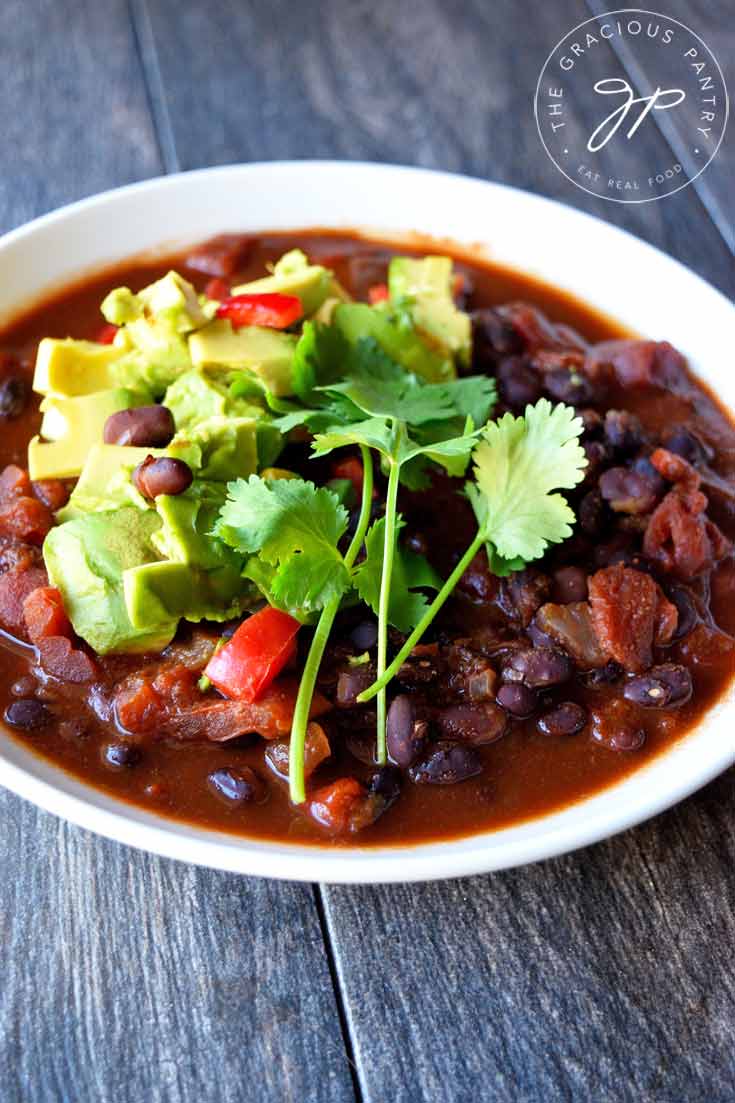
714, 23
129, 978
605, 975
125, 977
443, 83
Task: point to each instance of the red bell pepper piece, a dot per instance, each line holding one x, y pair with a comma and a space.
378, 293
274, 311
256, 654
106, 334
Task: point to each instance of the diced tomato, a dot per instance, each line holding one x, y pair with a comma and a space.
138, 708
274, 311
335, 805
54, 493
14, 483
15, 586
350, 468
256, 654
217, 289
26, 518
378, 293
106, 334
45, 615
221, 255
61, 659
219, 721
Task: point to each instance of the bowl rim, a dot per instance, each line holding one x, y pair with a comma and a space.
55, 790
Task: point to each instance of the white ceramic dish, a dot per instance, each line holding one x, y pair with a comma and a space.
606, 267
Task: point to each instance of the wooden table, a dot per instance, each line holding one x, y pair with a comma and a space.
605, 975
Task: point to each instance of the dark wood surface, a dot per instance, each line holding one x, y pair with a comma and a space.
605, 975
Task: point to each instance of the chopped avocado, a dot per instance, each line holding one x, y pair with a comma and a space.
267, 353
424, 287
71, 426
172, 302
151, 345
68, 368
175, 590
86, 559
227, 447
396, 335
293, 275
105, 481
196, 395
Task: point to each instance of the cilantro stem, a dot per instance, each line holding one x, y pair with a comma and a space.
385, 675
389, 548
300, 722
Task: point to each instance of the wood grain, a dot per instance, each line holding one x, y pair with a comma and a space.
442, 83
605, 975
126, 978
714, 23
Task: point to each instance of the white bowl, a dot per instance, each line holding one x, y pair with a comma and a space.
605, 267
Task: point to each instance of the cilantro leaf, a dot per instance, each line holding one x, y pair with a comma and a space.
517, 464
411, 572
319, 357
293, 527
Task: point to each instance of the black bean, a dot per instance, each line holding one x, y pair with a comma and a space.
686, 443
165, 475
628, 490
623, 432
448, 764
570, 386
351, 682
603, 676
667, 685
234, 786
142, 427
591, 513
568, 718
365, 635
570, 585
492, 337
121, 756
14, 392
539, 668
517, 699
477, 724
519, 384
597, 455
592, 423
386, 783
27, 713
405, 734
684, 602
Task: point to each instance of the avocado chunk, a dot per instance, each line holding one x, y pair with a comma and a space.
177, 590
154, 325
267, 353
293, 275
396, 336
195, 396
104, 483
71, 427
225, 447
68, 368
86, 559
424, 287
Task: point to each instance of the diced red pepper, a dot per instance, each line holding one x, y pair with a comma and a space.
107, 334
217, 289
274, 311
256, 654
350, 468
378, 293
44, 614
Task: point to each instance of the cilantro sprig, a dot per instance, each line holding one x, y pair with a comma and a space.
410, 424
518, 462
